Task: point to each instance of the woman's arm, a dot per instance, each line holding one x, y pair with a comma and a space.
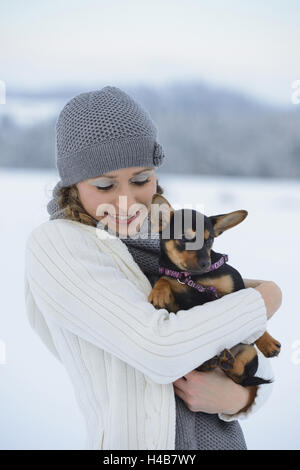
252, 282
214, 392
270, 292
80, 288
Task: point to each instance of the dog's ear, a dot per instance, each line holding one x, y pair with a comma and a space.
160, 213
223, 222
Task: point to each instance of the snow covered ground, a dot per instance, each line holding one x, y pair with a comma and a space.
38, 408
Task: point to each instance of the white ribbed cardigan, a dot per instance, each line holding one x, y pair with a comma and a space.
87, 300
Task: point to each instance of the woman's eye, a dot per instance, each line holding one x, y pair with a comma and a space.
139, 183
104, 188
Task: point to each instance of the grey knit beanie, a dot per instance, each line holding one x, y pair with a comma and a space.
101, 131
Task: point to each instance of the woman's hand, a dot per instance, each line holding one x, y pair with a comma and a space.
213, 392
270, 292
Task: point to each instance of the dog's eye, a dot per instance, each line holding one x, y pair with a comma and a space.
180, 247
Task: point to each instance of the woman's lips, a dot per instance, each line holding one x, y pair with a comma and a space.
123, 221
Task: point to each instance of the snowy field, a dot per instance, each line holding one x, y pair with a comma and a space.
38, 408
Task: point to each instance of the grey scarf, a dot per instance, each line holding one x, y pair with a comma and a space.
194, 430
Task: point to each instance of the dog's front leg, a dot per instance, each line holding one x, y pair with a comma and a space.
161, 296
269, 346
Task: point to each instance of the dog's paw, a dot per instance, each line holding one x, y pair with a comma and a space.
269, 346
161, 295
273, 350
226, 359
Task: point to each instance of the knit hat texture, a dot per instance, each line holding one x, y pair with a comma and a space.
101, 131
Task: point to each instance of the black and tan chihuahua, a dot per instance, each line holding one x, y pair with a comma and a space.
189, 277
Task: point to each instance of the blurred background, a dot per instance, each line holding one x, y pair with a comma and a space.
221, 81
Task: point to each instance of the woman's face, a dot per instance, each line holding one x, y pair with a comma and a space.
124, 192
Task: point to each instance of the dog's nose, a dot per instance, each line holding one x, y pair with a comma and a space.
204, 265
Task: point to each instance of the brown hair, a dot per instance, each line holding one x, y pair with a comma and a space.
68, 199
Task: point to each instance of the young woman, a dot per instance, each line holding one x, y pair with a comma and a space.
131, 365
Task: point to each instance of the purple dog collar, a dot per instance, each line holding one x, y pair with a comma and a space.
187, 275
219, 263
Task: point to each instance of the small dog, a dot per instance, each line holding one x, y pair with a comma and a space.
193, 277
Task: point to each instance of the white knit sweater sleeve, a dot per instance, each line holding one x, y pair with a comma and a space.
81, 289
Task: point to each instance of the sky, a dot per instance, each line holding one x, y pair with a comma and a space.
251, 46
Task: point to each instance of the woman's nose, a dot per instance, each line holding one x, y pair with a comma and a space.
124, 201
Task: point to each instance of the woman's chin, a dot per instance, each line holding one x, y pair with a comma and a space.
123, 229
127, 230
